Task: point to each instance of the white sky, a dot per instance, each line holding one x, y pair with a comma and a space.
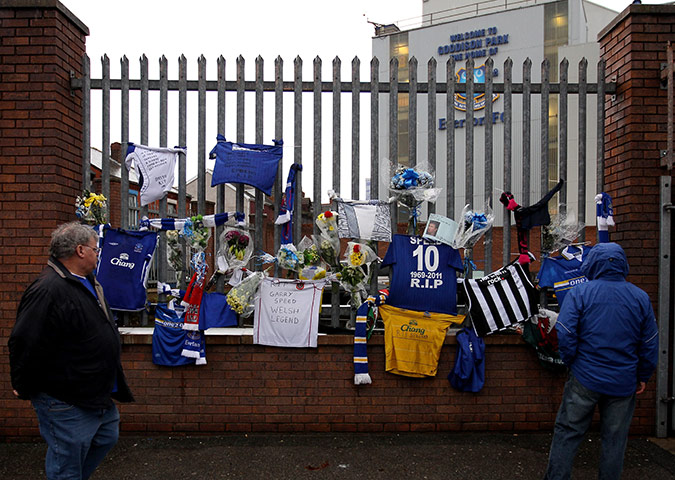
248, 28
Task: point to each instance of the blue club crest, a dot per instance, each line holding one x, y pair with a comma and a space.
478, 98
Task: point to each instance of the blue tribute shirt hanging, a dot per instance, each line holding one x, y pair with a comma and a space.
252, 164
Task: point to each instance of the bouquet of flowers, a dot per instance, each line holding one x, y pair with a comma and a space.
288, 257
241, 298
327, 222
235, 250
472, 226
196, 233
328, 242
308, 254
312, 273
329, 248
358, 254
91, 208
412, 186
353, 279
174, 252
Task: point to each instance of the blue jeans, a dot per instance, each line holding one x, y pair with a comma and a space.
573, 420
77, 439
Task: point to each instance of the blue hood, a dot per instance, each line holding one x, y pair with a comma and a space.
605, 261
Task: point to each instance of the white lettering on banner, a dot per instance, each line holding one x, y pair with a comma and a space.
425, 283
121, 263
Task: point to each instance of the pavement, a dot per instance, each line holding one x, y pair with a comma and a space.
430, 456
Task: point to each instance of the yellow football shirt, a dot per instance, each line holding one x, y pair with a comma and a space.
413, 340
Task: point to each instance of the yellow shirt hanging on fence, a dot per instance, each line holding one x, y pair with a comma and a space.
413, 340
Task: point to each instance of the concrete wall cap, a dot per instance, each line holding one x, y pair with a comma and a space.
46, 4
636, 9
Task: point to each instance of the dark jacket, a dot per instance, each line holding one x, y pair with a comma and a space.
607, 332
65, 342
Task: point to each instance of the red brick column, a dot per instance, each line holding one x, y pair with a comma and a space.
41, 43
634, 47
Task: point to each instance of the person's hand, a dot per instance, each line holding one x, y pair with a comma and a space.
640, 388
16, 394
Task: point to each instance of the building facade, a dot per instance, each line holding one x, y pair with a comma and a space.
518, 30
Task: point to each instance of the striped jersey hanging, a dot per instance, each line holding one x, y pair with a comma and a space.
500, 299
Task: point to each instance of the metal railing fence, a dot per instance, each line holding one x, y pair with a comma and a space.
388, 92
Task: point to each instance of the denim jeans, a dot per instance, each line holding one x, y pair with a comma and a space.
77, 439
572, 423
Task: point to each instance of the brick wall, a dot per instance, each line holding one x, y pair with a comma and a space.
633, 47
250, 388
40, 150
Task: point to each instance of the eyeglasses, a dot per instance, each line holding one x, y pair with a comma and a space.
95, 249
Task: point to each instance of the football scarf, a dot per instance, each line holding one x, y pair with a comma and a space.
605, 216
285, 217
209, 221
528, 217
500, 299
368, 309
253, 164
192, 301
155, 169
364, 220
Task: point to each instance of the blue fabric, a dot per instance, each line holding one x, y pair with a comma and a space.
424, 274
468, 374
123, 267
572, 422
607, 331
287, 204
168, 338
77, 439
215, 312
562, 273
252, 164
85, 281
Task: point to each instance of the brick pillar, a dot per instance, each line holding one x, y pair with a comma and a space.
41, 43
634, 47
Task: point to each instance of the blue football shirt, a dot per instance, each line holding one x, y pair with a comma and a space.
424, 274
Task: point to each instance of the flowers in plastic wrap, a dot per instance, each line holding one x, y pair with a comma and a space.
327, 222
196, 234
353, 280
308, 253
358, 254
412, 186
328, 249
235, 250
91, 207
311, 272
241, 298
563, 230
174, 252
472, 226
328, 242
288, 257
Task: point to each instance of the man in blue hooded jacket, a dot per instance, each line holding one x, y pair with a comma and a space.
608, 338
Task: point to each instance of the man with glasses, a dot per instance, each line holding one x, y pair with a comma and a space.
65, 356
